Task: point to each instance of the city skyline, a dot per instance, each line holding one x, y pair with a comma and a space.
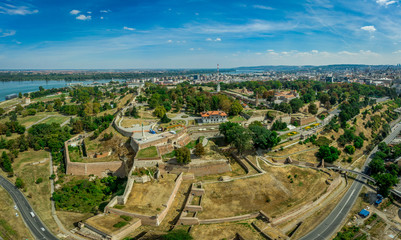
197, 33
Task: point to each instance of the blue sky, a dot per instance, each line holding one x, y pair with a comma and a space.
49, 34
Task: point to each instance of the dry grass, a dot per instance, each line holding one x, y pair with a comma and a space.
69, 219
105, 223
237, 170
11, 227
212, 152
148, 198
38, 195
225, 231
271, 192
129, 122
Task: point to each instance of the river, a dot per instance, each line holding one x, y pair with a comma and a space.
11, 87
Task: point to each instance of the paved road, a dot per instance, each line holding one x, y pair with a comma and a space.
332, 222
33, 223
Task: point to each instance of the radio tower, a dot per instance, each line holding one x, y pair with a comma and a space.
218, 69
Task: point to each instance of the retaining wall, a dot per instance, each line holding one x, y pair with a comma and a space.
198, 170
229, 219
98, 168
241, 163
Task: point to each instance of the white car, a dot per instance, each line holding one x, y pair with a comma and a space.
15, 207
43, 229
16, 214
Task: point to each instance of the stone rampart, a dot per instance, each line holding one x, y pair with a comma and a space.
229, 219
177, 185
218, 167
253, 165
241, 163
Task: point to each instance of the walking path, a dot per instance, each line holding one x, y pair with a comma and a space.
56, 219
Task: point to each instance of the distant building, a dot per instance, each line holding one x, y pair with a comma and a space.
11, 96
27, 100
285, 96
214, 117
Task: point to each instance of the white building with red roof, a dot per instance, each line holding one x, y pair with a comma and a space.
213, 117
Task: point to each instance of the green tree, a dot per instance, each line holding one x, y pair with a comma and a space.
2, 111
199, 150
358, 142
385, 181
278, 125
159, 111
19, 183
263, 138
328, 154
240, 138
177, 235
20, 95
377, 166
225, 127
183, 155
296, 104
165, 119
236, 108
349, 149
6, 163
312, 109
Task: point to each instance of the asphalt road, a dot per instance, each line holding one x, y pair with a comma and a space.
33, 223
332, 222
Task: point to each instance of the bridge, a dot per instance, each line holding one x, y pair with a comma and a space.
352, 171
395, 192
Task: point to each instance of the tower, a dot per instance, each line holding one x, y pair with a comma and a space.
218, 87
218, 70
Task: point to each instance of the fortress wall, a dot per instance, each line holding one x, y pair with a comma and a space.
198, 170
229, 219
177, 185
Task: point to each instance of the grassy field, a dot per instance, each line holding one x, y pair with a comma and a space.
38, 195
11, 227
277, 191
236, 119
148, 152
148, 198
56, 119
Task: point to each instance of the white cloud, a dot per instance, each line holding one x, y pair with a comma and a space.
370, 29
10, 9
397, 52
101, 17
213, 40
315, 51
105, 11
192, 49
7, 33
385, 2
263, 7
74, 12
129, 28
89, 12
170, 41
83, 17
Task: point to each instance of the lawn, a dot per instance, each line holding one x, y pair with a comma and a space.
11, 226
236, 119
149, 152
56, 119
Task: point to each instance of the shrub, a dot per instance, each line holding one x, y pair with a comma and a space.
349, 149
39, 180
120, 224
126, 218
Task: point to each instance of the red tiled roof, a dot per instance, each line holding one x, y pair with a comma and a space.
213, 113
